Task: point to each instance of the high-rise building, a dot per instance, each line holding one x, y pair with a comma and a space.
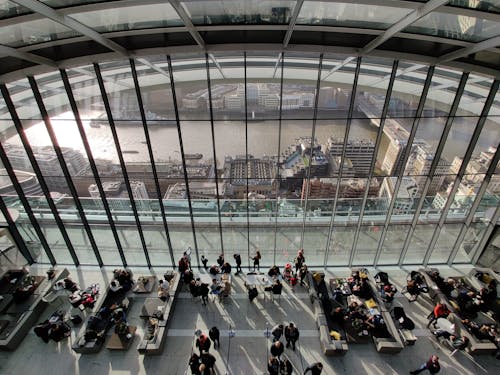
358, 151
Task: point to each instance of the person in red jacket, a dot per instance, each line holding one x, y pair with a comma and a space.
440, 311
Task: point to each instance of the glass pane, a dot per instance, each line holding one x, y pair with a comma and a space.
34, 32
393, 244
239, 11
341, 245
350, 15
366, 247
492, 6
419, 244
130, 18
462, 27
9, 9
444, 244
469, 245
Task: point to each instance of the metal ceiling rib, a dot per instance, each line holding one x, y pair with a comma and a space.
419, 10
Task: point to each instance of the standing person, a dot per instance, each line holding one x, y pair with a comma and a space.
256, 260
315, 368
214, 335
303, 274
204, 261
194, 364
291, 335
237, 258
208, 360
286, 367
187, 257
273, 366
440, 311
277, 332
432, 365
299, 260
203, 343
220, 260
277, 349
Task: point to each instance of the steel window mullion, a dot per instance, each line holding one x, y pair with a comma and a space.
475, 204
36, 168
93, 167
409, 145
18, 239
279, 158
64, 167
246, 152
470, 149
487, 233
342, 157
112, 127
437, 157
209, 85
374, 158
17, 187
181, 146
151, 158
313, 135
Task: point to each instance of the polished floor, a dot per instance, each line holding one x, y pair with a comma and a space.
247, 352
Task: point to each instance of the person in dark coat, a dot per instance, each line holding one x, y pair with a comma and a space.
194, 364
214, 335
315, 368
291, 335
273, 366
237, 259
204, 290
277, 332
208, 360
432, 365
286, 367
277, 349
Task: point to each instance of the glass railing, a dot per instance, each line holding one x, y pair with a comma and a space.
347, 211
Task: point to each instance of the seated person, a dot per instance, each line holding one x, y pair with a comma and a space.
456, 341
124, 277
226, 268
115, 286
163, 290
70, 285
121, 329
412, 288
59, 331
338, 316
288, 272
274, 271
277, 287
21, 294
188, 276
362, 289
214, 270
215, 288
377, 326
387, 292
151, 328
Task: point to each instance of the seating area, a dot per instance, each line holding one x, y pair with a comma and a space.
166, 337
20, 305
456, 292
157, 315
